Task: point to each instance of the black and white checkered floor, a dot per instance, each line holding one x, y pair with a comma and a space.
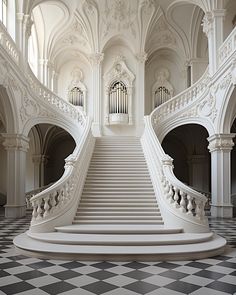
23, 275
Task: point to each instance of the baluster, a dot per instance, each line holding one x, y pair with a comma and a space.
182, 201
34, 213
176, 196
46, 206
170, 194
53, 201
199, 208
190, 205
39, 210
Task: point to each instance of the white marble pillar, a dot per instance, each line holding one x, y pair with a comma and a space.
96, 60
140, 105
213, 27
23, 32
199, 172
16, 145
220, 146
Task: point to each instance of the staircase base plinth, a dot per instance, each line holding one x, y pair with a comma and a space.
34, 248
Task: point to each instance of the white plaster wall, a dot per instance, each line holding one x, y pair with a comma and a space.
3, 170
230, 14
29, 179
64, 80
109, 57
178, 75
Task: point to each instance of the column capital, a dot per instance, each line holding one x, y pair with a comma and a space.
207, 22
96, 58
141, 57
14, 142
20, 16
221, 142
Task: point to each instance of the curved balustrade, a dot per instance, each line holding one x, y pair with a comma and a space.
182, 100
185, 205
47, 95
8, 44
227, 48
32, 193
60, 201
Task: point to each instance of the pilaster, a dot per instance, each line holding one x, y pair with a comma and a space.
220, 146
141, 58
213, 28
96, 61
16, 146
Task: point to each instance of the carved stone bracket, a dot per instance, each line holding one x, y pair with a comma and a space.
96, 58
221, 142
207, 22
16, 142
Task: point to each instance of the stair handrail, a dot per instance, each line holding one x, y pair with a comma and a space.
178, 198
182, 100
60, 197
33, 192
227, 48
8, 44
50, 97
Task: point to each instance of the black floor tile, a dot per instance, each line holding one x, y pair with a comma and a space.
141, 287
99, 287
176, 275
65, 275
138, 274
102, 275
17, 288
182, 287
223, 287
58, 288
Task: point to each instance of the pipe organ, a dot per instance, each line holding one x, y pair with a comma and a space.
76, 97
162, 94
118, 99
119, 93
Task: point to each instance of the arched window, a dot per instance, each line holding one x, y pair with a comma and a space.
162, 94
3, 11
162, 90
118, 98
76, 97
119, 93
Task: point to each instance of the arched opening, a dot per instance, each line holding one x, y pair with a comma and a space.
187, 145
49, 146
3, 173
233, 170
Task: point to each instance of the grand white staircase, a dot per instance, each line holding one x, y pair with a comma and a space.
118, 216
118, 188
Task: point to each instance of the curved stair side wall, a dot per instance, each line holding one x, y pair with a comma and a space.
57, 205
180, 205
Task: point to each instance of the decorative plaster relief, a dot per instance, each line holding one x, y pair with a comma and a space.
221, 142
207, 22
96, 58
16, 142
30, 109
162, 35
207, 108
119, 15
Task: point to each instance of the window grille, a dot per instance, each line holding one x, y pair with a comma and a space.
162, 94
118, 98
76, 97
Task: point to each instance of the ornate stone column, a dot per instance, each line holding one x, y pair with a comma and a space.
220, 146
213, 28
16, 145
140, 106
96, 60
23, 32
